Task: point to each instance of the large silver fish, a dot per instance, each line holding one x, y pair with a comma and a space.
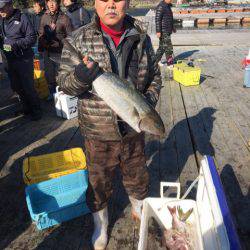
124, 99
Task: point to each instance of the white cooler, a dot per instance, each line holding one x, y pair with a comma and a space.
66, 105
211, 217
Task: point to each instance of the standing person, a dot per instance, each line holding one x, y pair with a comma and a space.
54, 27
78, 15
116, 43
17, 38
164, 27
39, 10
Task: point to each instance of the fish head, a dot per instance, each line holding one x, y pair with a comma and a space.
152, 123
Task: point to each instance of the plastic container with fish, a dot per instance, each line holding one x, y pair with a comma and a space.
65, 105
210, 225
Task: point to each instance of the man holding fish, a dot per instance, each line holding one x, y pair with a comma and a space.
109, 65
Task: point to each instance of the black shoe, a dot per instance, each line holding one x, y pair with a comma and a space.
36, 116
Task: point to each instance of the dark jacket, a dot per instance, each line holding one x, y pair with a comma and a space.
18, 32
78, 15
51, 40
96, 119
36, 19
164, 18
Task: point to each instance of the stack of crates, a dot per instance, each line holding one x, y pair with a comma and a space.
56, 187
40, 84
186, 75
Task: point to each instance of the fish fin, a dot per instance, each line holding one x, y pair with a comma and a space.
172, 210
135, 112
184, 216
187, 214
180, 212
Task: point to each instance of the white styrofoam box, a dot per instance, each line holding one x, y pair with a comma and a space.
211, 217
158, 209
189, 23
66, 105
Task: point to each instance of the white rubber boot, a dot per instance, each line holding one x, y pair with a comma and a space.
100, 236
136, 210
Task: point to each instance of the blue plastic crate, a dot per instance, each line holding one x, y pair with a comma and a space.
54, 201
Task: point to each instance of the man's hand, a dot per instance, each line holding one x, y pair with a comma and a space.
87, 71
88, 62
52, 26
158, 34
9, 46
174, 30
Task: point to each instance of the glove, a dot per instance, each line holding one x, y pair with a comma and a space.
87, 75
9, 45
49, 33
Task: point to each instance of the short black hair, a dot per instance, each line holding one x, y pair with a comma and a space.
58, 1
40, 2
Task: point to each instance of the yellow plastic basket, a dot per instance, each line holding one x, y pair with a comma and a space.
50, 166
186, 75
40, 84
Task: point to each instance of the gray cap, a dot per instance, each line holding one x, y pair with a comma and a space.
3, 2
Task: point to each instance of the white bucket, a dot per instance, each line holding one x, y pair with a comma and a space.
157, 208
187, 23
66, 105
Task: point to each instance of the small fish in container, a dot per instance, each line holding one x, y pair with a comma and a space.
180, 230
182, 235
178, 220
